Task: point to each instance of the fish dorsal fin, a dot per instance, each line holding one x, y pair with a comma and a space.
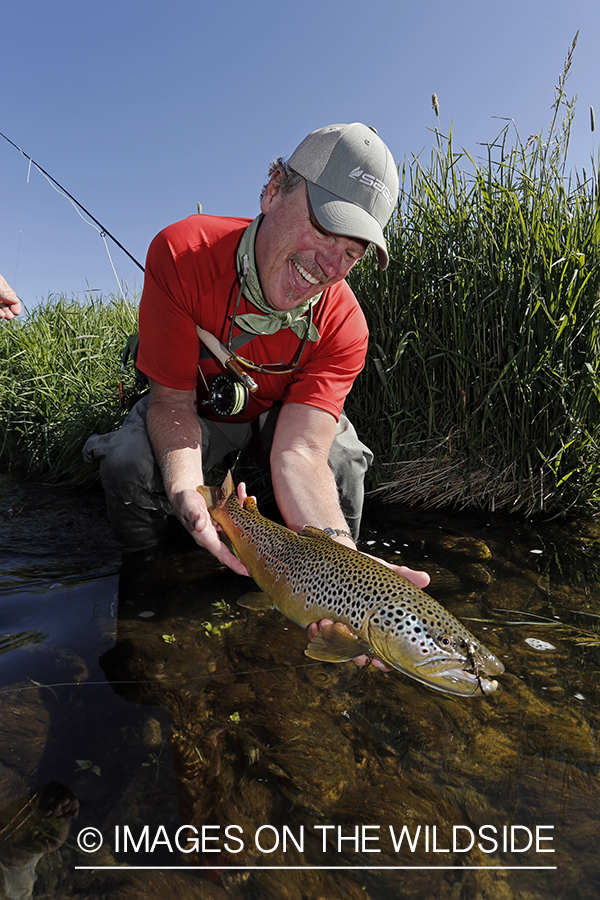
256, 600
216, 497
313, 532
336, 643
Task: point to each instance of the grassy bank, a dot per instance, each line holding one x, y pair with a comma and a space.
481, 384
60, 383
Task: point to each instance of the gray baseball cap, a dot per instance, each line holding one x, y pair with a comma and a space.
352, 181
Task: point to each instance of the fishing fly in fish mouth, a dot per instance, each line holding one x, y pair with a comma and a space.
308, 577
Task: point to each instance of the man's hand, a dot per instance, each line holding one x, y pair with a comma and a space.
10, 305
419, 579
67, 808
190, 508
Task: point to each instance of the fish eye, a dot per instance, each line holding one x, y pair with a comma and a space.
444, 640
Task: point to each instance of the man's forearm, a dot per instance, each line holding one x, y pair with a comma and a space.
176, 439
304, 485
306, 493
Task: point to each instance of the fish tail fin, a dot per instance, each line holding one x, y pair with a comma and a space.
217, 497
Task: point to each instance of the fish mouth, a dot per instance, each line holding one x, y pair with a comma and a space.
466, 683
449, 676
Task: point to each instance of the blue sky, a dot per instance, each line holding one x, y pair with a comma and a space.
143, 108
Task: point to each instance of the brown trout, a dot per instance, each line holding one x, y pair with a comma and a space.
309, 576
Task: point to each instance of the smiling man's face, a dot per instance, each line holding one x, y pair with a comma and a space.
295, 257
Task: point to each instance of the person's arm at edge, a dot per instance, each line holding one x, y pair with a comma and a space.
10, 305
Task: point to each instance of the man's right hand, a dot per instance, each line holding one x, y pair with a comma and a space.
190, 508
176, 438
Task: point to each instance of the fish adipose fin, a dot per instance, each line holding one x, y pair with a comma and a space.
256, 600
336, 643
312, 531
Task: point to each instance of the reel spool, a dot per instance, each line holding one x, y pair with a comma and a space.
226, 396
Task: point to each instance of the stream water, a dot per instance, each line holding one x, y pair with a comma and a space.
201, 744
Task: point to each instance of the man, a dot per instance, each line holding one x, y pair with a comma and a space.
276, 283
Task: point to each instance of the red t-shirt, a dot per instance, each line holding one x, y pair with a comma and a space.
191, 279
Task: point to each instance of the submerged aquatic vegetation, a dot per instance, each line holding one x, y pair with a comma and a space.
481, 382
84, 764
60, 383
576, 633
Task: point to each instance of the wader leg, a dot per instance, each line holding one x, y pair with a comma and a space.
137, 504
349, 459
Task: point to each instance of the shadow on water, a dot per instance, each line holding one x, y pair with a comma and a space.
147, 694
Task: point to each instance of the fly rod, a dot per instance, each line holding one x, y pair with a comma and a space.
71, 197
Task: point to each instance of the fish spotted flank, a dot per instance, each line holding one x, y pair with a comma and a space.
309, 576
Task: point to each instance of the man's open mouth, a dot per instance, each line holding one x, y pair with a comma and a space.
305, 274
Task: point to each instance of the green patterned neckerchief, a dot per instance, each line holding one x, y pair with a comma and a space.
270, 320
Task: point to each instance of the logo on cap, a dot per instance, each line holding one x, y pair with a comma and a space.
371, 181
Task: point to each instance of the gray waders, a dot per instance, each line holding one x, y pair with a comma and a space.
135, 496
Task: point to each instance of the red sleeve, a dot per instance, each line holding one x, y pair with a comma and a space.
190, 272
168, 340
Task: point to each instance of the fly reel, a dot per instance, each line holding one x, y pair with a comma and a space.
226, 396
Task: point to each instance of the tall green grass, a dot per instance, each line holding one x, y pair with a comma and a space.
481, 384
60, 383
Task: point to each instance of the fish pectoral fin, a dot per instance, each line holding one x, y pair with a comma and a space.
256, 600
336, 643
